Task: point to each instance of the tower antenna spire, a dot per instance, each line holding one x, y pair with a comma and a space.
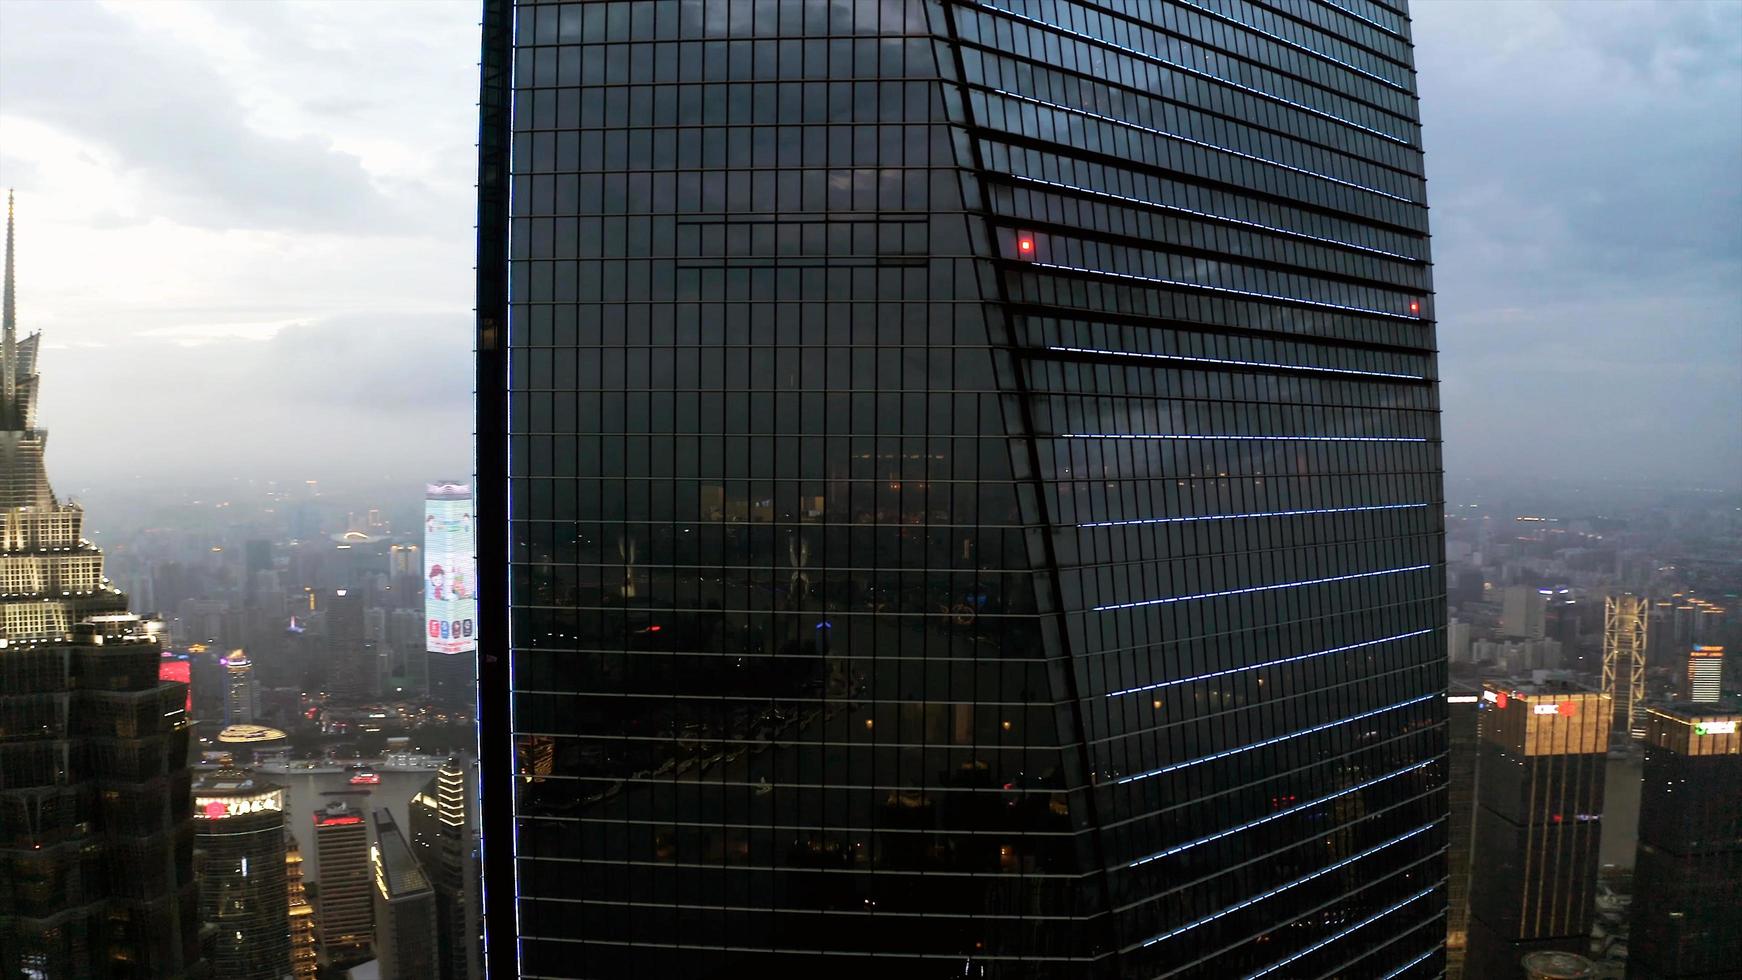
9, 324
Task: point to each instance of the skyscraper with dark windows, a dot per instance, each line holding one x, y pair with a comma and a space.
96, 821
1687, 881
958, 491
240, 862
1535, 839
445, 842
405, 906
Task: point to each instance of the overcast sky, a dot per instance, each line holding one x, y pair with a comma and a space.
245, 230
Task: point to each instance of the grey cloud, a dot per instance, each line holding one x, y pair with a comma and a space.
171, 119
1588, 235
357, 395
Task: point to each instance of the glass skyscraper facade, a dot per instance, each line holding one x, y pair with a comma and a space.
959, 491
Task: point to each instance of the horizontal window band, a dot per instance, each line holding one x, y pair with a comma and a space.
1156, 59
1268, 663
1405, 968
1202, 437
1262, 896
1265, 743
1291, 811
1255, 514
1296, 45
1221, 290
1164, 134
1230, 362
881, 956
1261, 588
1176, 209
1344, 933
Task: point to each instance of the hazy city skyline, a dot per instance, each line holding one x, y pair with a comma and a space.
262, 193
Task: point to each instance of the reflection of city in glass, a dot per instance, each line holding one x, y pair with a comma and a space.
974, 491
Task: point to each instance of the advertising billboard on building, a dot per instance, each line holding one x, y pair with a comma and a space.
449, 603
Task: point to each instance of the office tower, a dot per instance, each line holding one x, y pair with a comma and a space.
1524, 613
96, 828
344, 917
1705, 683
443, 838
1463, 705
403, 560
450, 599
351, 664
240, 690
975, 492
304, 961
240, 863
1626, 628
1687, 879
1458, 642
1539, 805
405, 906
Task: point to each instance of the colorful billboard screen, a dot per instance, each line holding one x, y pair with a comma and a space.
450, 605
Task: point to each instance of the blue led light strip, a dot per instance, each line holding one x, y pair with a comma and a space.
1400, 971
1228, 290
1157, 59
1327, 869
1236, 517
1145, 202
1176, 766
1268, 663
1201, 437
1115, 120
1170, 852
1321, 944
1364, 20
1259, 588
1279, 39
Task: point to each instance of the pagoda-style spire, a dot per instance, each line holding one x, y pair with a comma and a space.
23, 483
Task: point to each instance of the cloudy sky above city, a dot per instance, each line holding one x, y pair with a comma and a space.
245, 230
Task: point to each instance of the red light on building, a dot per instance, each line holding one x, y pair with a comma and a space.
1568, 707
1025, 246
335, 821
215, 809
1415, 306
1500, 699
174, 668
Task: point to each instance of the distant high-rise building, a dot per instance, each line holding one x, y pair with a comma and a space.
1458, 642
351, 664
240, 863
443, 838
96, 822
404, 560
1524, 612
1463, 705
241, 693
959, 491
1687, 877
1539, 806
304, 957
1705, 679
344, 913
405, 907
